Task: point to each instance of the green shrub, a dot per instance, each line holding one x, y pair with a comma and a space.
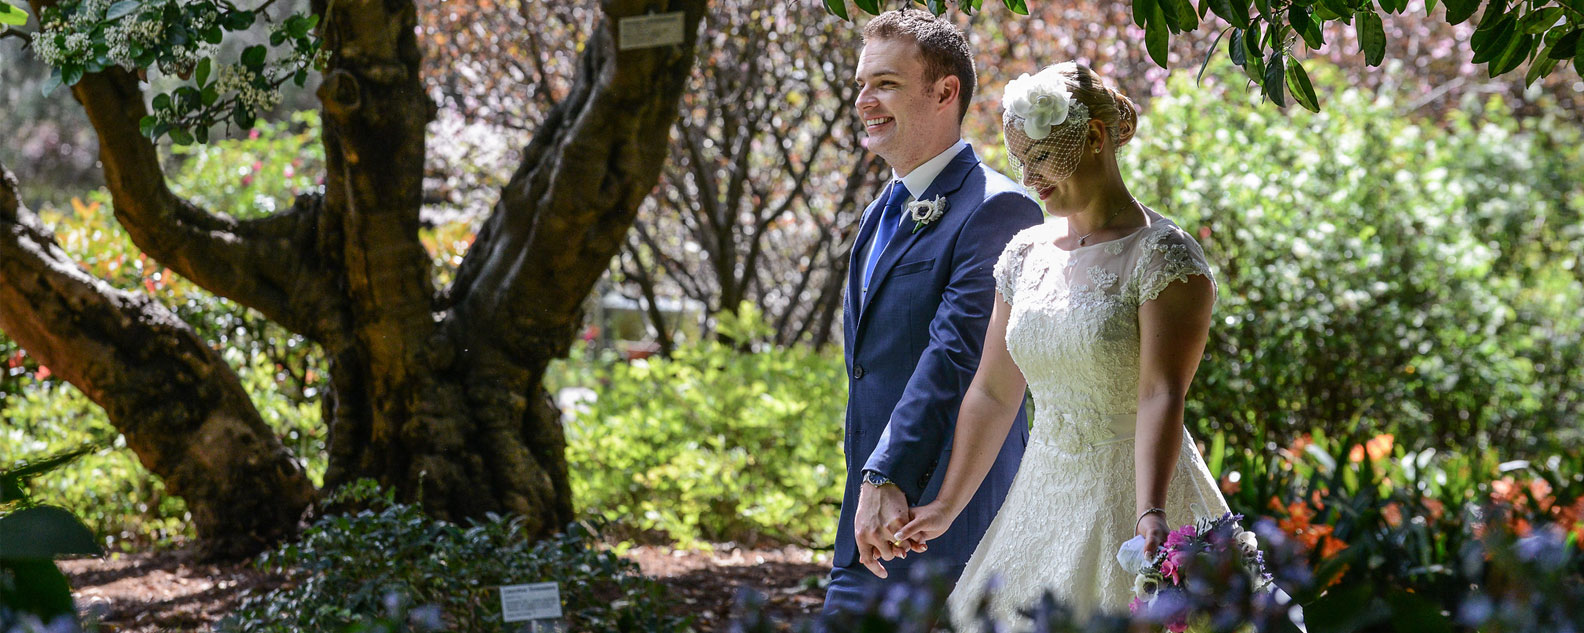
1377, 269
715, 444
352, 567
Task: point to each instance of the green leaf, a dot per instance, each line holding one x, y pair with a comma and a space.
121, 9
1536, 22
1459, 11
1567, 45
1490, 43
253, 56
1494, 13
202, 73
300, 77
1372, 37
1235, 12
1540, 67
146, 125
12, 15
1274, 75
837, 8
1156, 36
1302, 91
44, 533
1182, 15
243, 117
1513, 54
1305, 26
1236, 49
201, 134
180, 136
1327, 10
1017, 6
71, 74
162, 101
209, 96
1142, 10
238, 20
40, 588
1211, 53
872, 7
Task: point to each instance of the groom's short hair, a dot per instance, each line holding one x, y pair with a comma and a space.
945, 49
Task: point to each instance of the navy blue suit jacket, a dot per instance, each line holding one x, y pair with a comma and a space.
913, 345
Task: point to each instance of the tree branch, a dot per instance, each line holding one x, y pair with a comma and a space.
181, 407
578, 188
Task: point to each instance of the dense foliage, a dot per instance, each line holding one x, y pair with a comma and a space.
712, 444
353, 566
1375, 271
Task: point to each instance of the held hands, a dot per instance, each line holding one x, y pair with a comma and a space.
882, 511
929, 521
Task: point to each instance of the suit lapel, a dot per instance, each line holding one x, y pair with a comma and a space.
945, 184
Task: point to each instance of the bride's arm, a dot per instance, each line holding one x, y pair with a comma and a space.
1172, 332
988, 410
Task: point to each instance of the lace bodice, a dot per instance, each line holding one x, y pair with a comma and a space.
1073, 329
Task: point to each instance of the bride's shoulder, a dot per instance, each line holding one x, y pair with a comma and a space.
1164, 232
1032, 235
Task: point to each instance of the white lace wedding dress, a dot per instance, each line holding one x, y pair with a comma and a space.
1074, 333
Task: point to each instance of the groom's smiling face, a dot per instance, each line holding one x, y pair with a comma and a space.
904, 115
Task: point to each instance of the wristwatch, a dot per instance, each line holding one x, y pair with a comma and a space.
874, 478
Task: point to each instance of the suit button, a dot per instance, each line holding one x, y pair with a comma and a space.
858, 372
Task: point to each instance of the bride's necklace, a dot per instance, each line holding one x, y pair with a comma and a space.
1107, 221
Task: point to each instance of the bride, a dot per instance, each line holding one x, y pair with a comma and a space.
1103, 315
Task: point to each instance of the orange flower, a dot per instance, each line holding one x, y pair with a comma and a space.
1231, 483
1436, 508
1377, 448
1393, 514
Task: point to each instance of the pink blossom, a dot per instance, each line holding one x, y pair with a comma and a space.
1180, 536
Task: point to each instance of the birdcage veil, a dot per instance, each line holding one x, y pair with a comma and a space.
1044, 125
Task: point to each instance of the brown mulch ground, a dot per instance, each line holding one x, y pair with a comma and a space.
172, 591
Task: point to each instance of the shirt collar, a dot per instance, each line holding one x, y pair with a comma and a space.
921, 178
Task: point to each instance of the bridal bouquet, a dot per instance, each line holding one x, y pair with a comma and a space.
1215, 542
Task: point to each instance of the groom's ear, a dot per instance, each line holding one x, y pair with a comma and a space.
948, 90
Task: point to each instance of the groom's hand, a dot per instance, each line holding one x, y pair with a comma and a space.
882, 511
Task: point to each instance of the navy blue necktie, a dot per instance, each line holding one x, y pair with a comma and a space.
890, 217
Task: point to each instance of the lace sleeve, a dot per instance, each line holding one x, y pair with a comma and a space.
1011, 262
1169, 255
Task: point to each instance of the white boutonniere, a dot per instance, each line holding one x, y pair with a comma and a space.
924, 212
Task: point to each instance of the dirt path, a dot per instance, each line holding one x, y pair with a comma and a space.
170, 591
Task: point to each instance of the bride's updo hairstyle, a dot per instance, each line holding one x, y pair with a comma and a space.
1049, 112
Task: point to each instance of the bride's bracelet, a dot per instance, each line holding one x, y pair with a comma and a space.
1146, 513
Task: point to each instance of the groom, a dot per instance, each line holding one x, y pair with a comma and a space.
919, 296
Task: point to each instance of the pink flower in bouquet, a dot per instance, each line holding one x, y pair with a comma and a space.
1172, 567
1180, 536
